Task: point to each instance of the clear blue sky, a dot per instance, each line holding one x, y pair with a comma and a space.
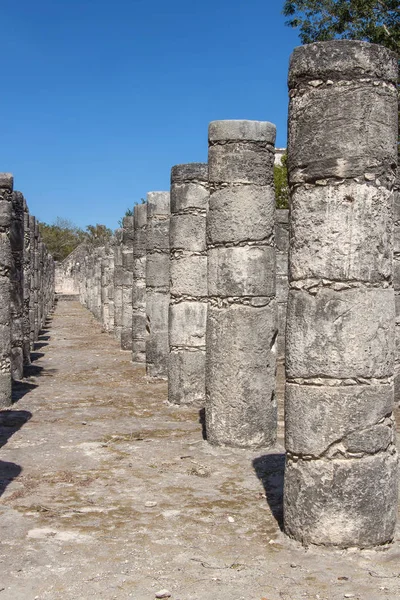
99, 98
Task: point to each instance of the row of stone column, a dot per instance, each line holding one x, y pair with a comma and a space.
218, 291
26, 285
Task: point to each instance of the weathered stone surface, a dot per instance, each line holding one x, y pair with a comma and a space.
157, 284
343, 334
118, 283
241, 339
186, 227
342, 215
17, 290
6, 190
139, 284
188, 324
282, 268
342, 466
330, 413
26, 287
396, 284
241, 213
363, 140
188, 284
157, 348
188, 275
345, 502
241, 271
186, 377
240, 375
127, 265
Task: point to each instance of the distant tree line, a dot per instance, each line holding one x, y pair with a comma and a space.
62, 237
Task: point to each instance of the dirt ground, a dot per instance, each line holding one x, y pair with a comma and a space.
109, 493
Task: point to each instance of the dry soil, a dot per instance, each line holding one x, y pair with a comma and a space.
109, 493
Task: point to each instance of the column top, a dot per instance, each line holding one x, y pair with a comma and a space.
342, 60
139, 215
158, 203
189, 172
6, 181
238, 130
127, 222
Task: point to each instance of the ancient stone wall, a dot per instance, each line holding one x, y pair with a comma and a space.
17, 286
26, 286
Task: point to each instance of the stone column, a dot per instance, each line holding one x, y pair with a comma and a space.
41, 284
139, 284
6, 189
98, 258
118, 283
36, 281
242, 313
282, 258
17, 291
32, 228
396, 284
342, 468
26, 287
127, 265
157, 284
110, 280
188, 280
106, 278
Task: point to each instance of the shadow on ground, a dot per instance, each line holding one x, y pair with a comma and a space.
10, 422
21, 388
32, 371
8, 472
202, 421
270, 470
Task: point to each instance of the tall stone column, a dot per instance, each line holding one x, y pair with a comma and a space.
17, 292
26, 287
32, 229
242, 313
188, 280
282, 260
6, 192
157, 284
139, 284
99, 254
36, 281
41, 285
118, 284
127, 265
396, 284
110, 280
342, 467
107, 277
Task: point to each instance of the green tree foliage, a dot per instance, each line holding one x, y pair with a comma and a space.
61, 238
376, 21
97, 235
281, 184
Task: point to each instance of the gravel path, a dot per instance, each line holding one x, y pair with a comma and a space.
109, 493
